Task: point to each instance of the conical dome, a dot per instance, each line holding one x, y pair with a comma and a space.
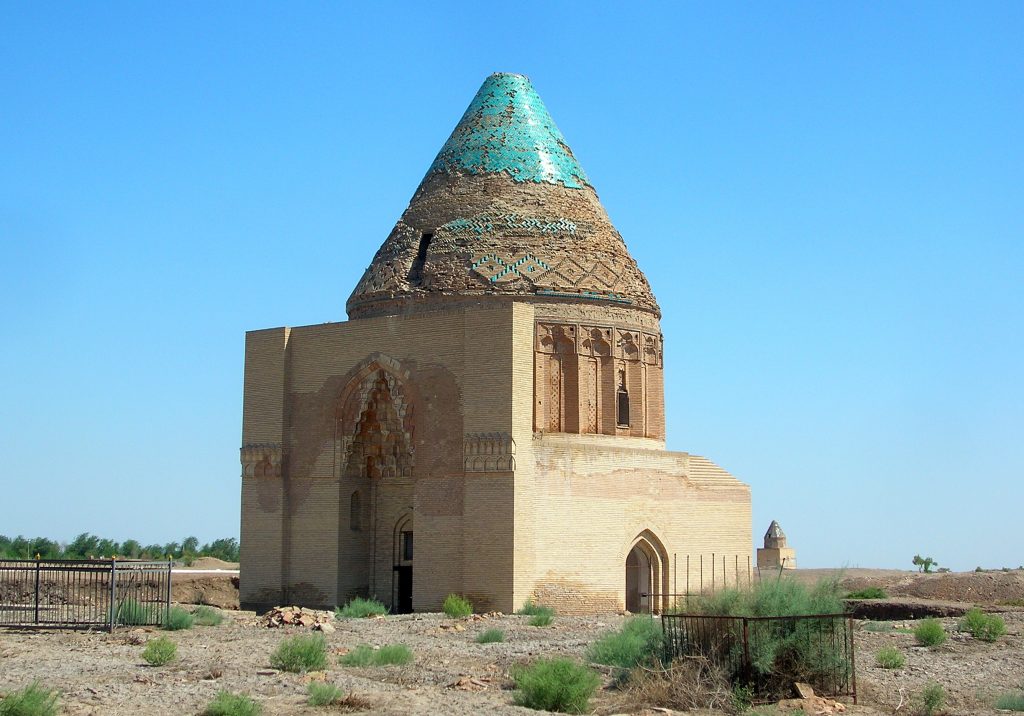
504, 210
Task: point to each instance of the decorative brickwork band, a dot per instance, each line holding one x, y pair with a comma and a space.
261, 460
489, 452
603, 380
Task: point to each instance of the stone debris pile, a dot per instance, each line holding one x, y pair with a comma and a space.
297, 616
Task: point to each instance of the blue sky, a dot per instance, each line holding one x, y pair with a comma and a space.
826, 198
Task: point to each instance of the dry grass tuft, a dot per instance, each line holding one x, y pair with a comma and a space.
685, 685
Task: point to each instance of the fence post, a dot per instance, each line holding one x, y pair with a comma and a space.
853, 659
167, 603
37, 591
113, 595
748, 671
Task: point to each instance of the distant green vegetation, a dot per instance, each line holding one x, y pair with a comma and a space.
178, 619
559, 685
782, 598
300, 654
131, 613
540, 616
530, 608
933, 698
491, 636
229, 704
889, 657
930, 632
359, 608
1013, 701
321, 693
87, 546
869, 593
387, 655
207, 616
987, 627
456, 606
33, 700
160, 651
639, 641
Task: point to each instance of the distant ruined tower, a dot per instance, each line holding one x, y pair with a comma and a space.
775, 554
497, 393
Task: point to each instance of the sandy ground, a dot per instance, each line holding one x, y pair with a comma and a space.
101, 673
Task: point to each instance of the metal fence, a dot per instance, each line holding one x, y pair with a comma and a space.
770, 654
83, 594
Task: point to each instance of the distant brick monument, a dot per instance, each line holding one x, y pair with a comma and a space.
497, 393
775, 554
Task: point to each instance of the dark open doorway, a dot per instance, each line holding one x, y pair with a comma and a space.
403, 587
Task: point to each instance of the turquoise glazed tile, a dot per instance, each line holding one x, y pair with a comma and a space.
507, 129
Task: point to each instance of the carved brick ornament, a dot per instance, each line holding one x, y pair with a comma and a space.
261, 460
489, 452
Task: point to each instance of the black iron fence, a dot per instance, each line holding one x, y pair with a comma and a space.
82, 594
770, 654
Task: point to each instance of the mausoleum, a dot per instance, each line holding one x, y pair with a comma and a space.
490, 421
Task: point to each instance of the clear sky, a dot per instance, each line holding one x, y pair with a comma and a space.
827, 198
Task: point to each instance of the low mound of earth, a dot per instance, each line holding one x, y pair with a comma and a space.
988, 588
211, 563
217, 590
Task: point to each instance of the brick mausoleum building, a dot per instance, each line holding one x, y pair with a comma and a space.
497, 394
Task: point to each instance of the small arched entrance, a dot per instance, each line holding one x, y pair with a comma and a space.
646, 576
401, 597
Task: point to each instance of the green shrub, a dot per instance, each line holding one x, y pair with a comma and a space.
742, 698
780, 651
229, 704
555, 685
933, 698
775, 598
877, 626
323, 694
160, 651
456, 607
529, 608
491, 636
890, 657
300, 653
987, 627
930, 632
207, 616
178, 619
131, 613
869, 593
1013, 701
33, 700
639, 641
542, 617
387, 655
359, 608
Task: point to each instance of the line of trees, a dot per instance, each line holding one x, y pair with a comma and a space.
87, 546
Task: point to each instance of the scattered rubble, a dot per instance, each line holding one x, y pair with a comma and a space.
297, 616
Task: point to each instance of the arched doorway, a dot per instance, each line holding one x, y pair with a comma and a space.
374, 434
638, 580
646, 575
401, 596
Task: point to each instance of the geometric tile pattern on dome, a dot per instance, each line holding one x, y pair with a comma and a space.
496, 269
507, 130
485, 224
568, 278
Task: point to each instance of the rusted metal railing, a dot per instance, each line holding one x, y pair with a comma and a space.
769, 654
83, 594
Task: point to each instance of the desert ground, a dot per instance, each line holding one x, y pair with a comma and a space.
101, 673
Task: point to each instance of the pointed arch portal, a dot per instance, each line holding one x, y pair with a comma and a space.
646, 575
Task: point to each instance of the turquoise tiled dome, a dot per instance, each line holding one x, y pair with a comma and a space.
507, 129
